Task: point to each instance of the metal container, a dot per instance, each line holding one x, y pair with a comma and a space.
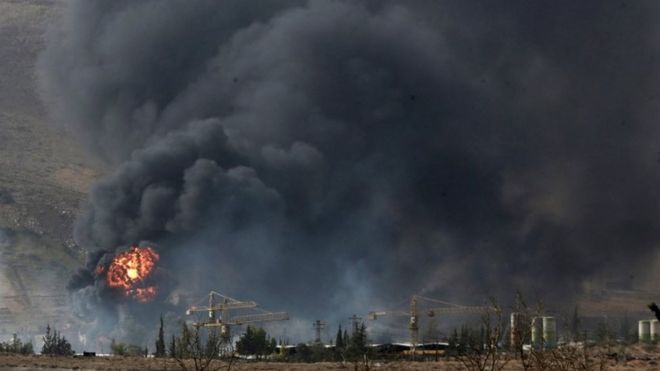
537, 332
655, 330
644, 331
549, 332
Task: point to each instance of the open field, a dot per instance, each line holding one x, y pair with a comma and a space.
634, 358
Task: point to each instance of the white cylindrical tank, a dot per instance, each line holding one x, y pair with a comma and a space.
549, 332
537, 332
655, 330
644, 331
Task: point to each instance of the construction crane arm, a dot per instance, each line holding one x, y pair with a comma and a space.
459, 310
391, 313
250, 318
223, 306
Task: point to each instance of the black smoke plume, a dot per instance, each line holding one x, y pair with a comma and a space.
327, 157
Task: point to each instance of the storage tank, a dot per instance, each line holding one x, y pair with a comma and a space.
549, 332
655, 330
644, 331
537, 332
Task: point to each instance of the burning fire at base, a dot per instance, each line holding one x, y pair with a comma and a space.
128, 271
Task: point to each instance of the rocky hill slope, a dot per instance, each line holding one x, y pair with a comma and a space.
44, 177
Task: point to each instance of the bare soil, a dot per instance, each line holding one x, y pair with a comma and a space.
644, 362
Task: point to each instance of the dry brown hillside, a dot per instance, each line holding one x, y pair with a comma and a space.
43, 178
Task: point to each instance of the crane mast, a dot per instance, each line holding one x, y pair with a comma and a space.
413, 314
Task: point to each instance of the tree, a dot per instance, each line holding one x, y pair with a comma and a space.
283, 350
483, 350
655, 309
253, 342
319, 353
190, 345
16, 346
357, 347
602, 333
160, 342
303, 353
452, 347
339, 341
49, 342
173, 347
575, 324
272, 348
123, 349
183, 342
625, 328
432, 333
55, 344
27, 348
118, 349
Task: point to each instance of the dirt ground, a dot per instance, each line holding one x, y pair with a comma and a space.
644, 362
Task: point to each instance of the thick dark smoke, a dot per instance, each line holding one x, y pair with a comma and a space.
325, 157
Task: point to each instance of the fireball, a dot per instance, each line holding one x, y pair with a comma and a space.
128, 271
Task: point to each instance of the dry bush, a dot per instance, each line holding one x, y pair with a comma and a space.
488, 354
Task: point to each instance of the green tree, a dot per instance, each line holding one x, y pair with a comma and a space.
452, 348
357, 346
182, 346
16, 346
339, 341
160, 342
272, 348
117, 348
49, 342
575, 324
602, 333
319, 353
253, 342
173, 347
123, 349
432, 334
55, 344
27, 348
303, 353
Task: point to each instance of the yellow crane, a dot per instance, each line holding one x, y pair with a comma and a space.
219, 307
414, 313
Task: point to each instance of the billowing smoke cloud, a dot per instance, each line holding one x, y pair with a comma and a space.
5, 240
326, 157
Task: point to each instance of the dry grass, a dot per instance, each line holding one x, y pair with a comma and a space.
646, 361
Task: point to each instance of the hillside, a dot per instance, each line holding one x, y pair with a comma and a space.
44, 176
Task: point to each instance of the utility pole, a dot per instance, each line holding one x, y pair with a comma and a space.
355, 320
318, 326
414, 327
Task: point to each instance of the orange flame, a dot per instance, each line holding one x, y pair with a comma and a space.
129, 269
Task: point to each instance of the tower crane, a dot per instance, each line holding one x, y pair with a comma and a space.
414, 313
222, 305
